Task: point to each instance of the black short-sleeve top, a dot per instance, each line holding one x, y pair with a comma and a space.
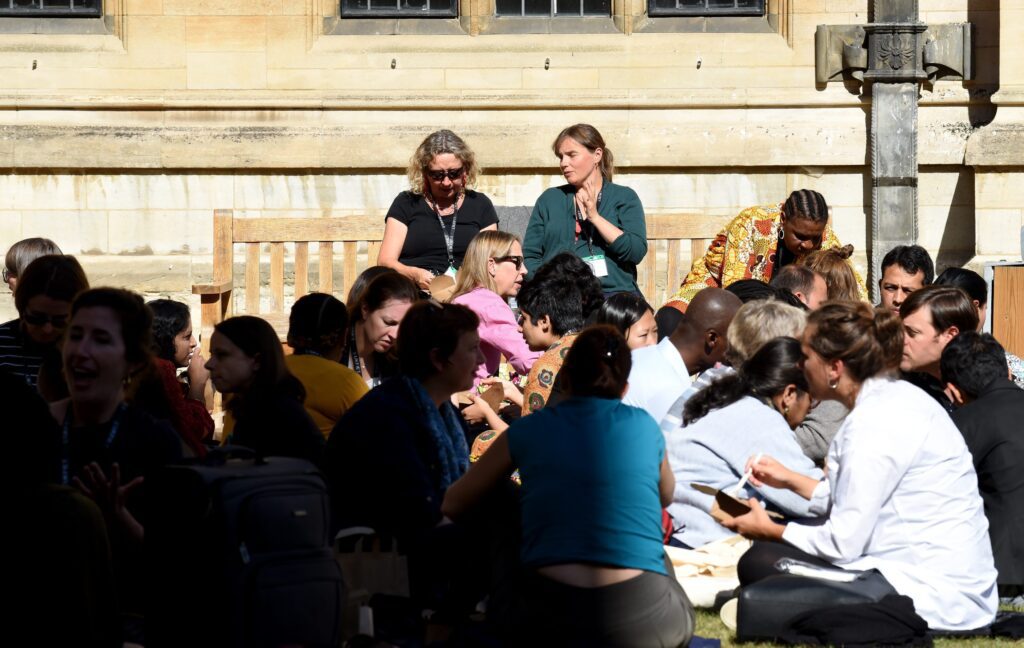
424, 243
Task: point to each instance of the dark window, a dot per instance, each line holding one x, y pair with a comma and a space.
553, 8
705, 7
61, 8
399, 9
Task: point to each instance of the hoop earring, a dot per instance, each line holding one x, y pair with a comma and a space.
782, 232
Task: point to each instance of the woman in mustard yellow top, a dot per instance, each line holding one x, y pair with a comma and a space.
316, 333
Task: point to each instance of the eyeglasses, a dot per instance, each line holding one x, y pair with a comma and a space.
8, 274
451, 174
40, 319
517, 260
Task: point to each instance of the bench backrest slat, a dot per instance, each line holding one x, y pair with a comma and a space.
674, 240
326, 284
342, 228
252, 278
301, 269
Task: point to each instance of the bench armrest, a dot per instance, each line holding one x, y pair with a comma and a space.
215, 288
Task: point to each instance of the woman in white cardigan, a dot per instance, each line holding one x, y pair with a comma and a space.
901, 487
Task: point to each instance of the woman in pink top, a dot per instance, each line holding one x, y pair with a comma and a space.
491, 272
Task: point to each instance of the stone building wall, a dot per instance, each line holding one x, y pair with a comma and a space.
120, 140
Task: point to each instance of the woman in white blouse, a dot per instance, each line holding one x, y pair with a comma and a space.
901, 487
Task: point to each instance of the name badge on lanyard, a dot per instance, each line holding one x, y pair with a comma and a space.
597, 264
449, 235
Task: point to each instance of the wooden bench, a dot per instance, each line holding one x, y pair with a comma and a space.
674, 239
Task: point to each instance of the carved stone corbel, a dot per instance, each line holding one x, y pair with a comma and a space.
892, 52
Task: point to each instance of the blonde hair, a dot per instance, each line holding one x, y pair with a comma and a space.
757, 322
834, 266
485, 246
439, 143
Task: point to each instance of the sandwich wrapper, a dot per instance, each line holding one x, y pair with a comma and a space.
726, 506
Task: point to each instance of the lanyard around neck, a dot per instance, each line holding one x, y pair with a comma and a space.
65, 438
578, 217
449, 235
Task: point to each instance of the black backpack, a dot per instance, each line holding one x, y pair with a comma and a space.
239, 554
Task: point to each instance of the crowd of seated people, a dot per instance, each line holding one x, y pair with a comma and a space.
885, 437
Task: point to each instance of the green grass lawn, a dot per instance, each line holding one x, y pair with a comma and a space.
709, 625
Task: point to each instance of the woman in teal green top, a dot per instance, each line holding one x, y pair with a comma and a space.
594, 480
600, 222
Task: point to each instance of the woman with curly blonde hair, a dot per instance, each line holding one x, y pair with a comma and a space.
428, 228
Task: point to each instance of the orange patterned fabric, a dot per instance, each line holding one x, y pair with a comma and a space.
745, 249
543, 374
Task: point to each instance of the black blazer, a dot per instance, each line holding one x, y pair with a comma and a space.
993, 427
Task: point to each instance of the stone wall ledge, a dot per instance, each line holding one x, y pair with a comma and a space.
944, 94
364, 140
1000, 143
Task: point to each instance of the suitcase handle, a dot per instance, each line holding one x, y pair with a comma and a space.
219, 456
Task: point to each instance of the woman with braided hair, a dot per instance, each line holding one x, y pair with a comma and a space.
759, 241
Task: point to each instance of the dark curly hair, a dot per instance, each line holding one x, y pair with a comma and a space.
170, 318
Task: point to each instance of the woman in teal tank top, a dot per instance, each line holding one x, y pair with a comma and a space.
594, 481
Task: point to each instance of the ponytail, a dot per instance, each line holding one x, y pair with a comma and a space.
598, 363
767, 373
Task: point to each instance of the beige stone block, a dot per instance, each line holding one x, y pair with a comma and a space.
846, 6
226, 71
287, 46
225, 7
383, 79
321, 194
736, 191
137, 232
46, 192
10, 229
248, 146
75, 231
151, 41
997, 231
226, 33
151, 276
849, 226
86, 147
91, 79
144, 7
840, 189
294, 7
523, 189
947, 229
556, 79
946, 188
939, 17
483, 79
681, 191
998, 190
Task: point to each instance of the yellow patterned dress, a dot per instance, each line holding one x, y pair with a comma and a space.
745, 249
543, 373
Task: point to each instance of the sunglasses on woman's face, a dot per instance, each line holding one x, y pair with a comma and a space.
517, 260
8, 274
40, 319
451, 174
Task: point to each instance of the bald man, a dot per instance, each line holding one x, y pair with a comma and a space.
661, 373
